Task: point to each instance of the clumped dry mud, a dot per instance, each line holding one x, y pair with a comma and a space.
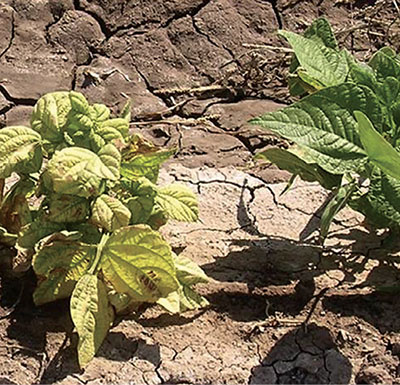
283, 309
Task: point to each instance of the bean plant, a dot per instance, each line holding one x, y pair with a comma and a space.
85, 211
345, 128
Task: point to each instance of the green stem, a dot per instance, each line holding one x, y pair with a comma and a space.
99, 251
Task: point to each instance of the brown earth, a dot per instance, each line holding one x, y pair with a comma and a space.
196, 73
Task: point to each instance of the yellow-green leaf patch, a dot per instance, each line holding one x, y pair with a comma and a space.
91, 315
109, 213
138, 261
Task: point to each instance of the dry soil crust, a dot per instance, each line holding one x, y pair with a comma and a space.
195, 76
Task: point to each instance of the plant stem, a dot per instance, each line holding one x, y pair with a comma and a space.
2, 183
99, 251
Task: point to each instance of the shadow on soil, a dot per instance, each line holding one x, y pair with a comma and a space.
378, 309
280, 273
46, 334
304, 357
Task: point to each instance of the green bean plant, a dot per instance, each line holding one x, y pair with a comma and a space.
345, 127
85, 211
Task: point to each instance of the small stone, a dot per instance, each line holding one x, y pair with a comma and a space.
343, 336
368, 349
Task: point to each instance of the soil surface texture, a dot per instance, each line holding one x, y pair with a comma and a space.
282, 308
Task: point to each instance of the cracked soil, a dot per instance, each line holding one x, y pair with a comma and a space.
283, 309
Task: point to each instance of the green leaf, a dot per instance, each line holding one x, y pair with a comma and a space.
126, 111
109, 213
362, 74
113, 129
90, 233
140, 208
322, 63
339, 200
391, 190
309, 172
143, 159
321, 30
380, 203
81, 120
190, 300
158, 217
91, 315
324, 125
78, 171
57, 276
20, 151
102, 112
121, 302
299, 80
138, 262
79, 104
185, 298
385, 64
67, 208
142, 197
50, 114
172, 302
145, 165
379, 151
178, 202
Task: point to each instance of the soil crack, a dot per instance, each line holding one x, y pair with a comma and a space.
12, 35
103, 26
17, 101
179, 15
274, 4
